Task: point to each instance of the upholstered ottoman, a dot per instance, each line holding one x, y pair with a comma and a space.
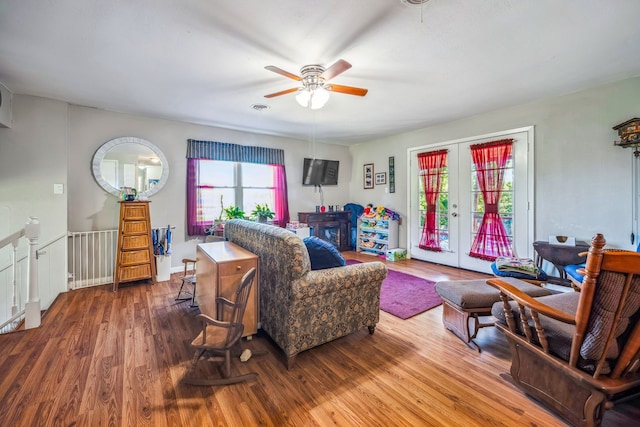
464, 299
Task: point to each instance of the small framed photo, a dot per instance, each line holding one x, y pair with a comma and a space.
381, 178
367, 177
392, 174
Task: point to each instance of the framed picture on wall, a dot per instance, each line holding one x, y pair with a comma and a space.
392, 175
367, 177
381, 178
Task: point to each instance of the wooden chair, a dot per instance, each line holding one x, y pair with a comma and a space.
188, 278
222, 337
189, 275
578, 352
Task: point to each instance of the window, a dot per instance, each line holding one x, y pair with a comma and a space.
222, 174
223, 184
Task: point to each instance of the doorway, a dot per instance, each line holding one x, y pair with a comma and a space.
458, 208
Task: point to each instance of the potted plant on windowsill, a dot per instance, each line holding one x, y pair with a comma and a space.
233, 212
262, 213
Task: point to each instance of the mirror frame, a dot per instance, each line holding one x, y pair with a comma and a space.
104, 149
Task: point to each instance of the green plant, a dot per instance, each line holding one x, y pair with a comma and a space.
262, 212
233, 212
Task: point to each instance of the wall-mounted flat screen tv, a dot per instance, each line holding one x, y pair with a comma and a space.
320, 172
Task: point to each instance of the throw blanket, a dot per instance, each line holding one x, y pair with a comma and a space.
517, 265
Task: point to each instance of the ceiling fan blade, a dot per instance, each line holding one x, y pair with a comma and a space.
284, 92
338, 68
282, 72
349, 90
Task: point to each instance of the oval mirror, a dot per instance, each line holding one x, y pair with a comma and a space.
130, 162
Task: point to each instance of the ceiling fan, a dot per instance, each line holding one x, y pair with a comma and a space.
314, 92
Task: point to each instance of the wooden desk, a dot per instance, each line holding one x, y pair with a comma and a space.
560, 256
219, 269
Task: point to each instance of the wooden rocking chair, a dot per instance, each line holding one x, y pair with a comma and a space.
222, 337
578, 352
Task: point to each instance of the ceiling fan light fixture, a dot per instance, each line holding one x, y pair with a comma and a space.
319, 97
303, 96
313, 93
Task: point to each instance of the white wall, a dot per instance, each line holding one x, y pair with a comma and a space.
90, 208
33, 157
5, 107
582, 181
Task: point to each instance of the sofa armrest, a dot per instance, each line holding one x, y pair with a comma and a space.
530, 302
319, 282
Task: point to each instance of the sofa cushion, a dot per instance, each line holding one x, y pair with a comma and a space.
470, 294
323, 254
558, 334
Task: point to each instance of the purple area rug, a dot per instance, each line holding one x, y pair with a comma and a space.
404, 295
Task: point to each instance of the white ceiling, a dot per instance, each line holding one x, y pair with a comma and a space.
202, 61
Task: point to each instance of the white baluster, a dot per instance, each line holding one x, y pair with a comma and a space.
14, 277
32, 307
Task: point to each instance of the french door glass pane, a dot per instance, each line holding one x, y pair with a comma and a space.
442, 207
505, 204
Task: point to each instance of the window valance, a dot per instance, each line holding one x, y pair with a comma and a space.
212, 150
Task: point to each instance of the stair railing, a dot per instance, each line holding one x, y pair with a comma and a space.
31, 310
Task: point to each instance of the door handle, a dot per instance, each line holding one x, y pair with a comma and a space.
454, 214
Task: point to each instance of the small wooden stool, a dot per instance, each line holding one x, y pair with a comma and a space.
464, 299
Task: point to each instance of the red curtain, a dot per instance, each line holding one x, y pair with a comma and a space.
490, 159
431, 165
282, 198
194, 227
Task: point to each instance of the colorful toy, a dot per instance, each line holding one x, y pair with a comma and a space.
379, 212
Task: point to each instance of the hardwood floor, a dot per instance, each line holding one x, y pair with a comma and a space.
104, 358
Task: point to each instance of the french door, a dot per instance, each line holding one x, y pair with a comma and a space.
459, 207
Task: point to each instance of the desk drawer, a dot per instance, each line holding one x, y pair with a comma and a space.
233, 268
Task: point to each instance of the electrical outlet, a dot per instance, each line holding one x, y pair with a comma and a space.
58, 188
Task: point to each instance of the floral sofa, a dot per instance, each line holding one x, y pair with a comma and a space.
302, 308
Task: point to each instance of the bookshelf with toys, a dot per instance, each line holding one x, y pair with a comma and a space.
377, 230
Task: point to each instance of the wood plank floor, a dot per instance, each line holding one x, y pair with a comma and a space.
104, 358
